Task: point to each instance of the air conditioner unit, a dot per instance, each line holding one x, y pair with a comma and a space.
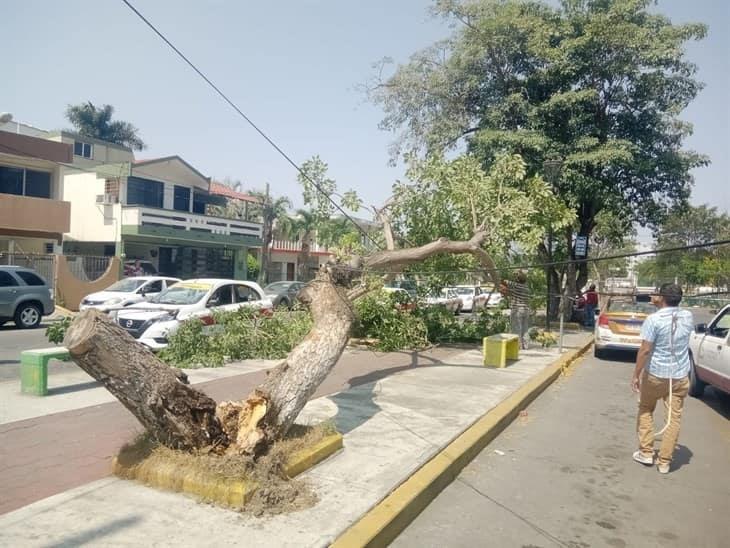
106, 199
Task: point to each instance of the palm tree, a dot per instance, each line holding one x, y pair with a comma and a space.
271, 210
303, 226
92, 121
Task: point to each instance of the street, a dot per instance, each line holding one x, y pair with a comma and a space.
562, 475
13, 341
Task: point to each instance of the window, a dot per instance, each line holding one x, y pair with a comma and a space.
29, 278
109, 250
11, 180
6, 280
82, 149
182, 198
37, 183
199, 201
221, 297
153, 287
25, 182
144, 192
169, 282
245, 294
49, 247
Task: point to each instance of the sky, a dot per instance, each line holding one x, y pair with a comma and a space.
294, 67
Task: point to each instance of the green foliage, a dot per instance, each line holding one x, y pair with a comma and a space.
57, 330
253, 267
379, 317
318, 188
238, 335
599, 84
96, 122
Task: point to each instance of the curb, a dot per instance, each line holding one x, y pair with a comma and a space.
385, 521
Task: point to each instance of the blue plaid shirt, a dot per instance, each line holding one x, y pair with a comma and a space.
657, 329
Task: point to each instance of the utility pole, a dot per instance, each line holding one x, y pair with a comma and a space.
265, 236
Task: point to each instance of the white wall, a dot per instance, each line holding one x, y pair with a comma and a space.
90, 221
171, 171
100, 154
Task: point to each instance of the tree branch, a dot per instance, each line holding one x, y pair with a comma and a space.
402, 257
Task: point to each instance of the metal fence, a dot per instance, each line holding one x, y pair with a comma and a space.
45, 265
87, 268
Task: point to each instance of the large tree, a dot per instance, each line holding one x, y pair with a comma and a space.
598, 84
92, 121
180, 416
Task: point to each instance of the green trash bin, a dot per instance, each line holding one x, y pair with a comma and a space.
34, 369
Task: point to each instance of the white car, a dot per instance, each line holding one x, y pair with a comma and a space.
126, 292
152, 322
448, 298
709, 349
492, 298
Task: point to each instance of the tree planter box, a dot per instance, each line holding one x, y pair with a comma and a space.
208, 486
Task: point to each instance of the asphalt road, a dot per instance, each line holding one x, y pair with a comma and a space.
13, 341
562, 475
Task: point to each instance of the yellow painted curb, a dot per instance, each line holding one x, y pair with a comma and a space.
384, 522
227, 492
305, 459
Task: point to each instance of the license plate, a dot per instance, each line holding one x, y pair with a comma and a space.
628, 340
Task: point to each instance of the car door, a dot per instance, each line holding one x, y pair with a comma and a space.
8, 294
714, 348
246, 296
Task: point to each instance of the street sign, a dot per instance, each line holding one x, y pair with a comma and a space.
581, 247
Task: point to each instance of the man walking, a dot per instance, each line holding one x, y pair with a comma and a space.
519, 297
591, 297
662, 366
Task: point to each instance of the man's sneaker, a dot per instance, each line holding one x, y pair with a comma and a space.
640, 457
663, 468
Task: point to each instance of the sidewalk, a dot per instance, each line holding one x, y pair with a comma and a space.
395, 411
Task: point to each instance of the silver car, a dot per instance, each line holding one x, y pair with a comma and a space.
25, 297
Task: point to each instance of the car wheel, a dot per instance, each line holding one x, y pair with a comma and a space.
284, 304
28, 316
696, 386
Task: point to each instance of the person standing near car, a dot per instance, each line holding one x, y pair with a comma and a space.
663, 358
519, 296
589, 316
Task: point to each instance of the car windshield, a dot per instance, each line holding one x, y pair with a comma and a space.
182, 293
278, 286
463, 290
637, 308
127, 285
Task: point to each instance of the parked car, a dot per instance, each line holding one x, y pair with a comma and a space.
619, 325
709, 355
126, 292
25, 297
471, 297
283, 293
448, 298
152, 322
148, 268
403, 299
492, 298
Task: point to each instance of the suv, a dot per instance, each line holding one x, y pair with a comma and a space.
25, 297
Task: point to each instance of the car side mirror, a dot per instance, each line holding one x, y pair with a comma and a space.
701, 328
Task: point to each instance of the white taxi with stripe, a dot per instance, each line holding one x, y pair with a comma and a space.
151, 323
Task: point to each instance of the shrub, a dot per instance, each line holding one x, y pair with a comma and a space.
380, 318
57, 330
238, 335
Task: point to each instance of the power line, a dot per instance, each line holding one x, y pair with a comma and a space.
250, 122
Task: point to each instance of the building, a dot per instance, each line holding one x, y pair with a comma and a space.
33, 214
155, 211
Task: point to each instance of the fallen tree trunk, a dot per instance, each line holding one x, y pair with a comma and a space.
269, 412
173, 412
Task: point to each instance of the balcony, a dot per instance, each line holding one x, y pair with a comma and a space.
34, 217
148, 222
288, 245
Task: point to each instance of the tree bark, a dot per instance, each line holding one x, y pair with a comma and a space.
158, 395
271, 409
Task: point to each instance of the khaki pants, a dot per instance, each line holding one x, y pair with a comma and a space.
654, 389
520, 322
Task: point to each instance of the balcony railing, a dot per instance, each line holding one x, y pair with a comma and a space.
287, 245
183, 220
